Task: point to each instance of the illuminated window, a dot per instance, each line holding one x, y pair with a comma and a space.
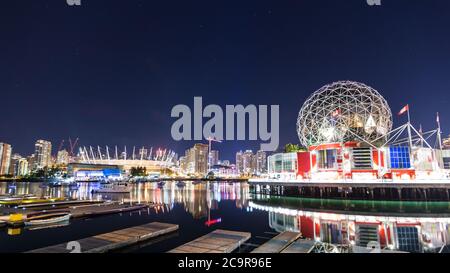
327, 159
399, 157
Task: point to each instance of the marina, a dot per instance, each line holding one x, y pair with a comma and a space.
272, 222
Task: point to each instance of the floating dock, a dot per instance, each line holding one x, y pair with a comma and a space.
300, 246
59, 204
82, 211
113, 240
102, 209
218, 241
278, 243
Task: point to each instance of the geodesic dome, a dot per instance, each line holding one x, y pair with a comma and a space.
344, 111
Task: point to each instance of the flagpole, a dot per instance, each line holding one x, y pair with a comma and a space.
439, 131
409, 128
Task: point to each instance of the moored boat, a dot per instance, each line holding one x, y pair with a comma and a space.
180, 184
113, 188
46, 219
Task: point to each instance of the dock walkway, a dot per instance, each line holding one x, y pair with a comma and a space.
300, 246
113, 240
278, 243
218, 241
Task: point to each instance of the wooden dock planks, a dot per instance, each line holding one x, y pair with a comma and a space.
218, 241
278, 243
114, 240
300, 246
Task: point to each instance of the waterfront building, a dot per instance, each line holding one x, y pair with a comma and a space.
347, 129
225, 171
182, 163
248, 162
282, 166
261, 162
18, 166
43, 154
62, 157
5, 158
213, 157
154, 161
239, 162
31, 159
197, 159
94, 172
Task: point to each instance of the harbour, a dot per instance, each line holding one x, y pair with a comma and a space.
265, 223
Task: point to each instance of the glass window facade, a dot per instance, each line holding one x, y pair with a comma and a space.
408, 239
399, 157
327, 159
283, 162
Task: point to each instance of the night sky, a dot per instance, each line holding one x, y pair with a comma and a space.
110, 71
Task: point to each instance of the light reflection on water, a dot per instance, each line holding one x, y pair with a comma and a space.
409, 226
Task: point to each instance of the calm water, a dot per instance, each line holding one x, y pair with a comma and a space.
409, 226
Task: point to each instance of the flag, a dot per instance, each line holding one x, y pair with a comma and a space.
336, 113
404, 110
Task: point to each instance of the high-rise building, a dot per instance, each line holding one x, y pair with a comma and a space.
183, 163
31, 159
213, 157
261, 162
62, 157
197, 159
5, 158
19, 165
43, 153
248, 162
239, 162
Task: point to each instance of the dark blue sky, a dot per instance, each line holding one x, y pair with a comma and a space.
110, 71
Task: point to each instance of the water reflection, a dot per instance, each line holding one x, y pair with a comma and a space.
407, 226
413, 230
197, 199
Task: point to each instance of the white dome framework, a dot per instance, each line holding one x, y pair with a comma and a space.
344, 111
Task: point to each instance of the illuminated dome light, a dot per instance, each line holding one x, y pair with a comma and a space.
344, 111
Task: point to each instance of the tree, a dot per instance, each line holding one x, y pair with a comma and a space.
293, 148
138, 171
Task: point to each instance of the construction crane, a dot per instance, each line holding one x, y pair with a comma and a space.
60, 145
72, 145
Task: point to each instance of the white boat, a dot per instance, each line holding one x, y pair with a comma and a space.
114, 188
46, 219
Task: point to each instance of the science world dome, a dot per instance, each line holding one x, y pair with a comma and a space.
344, 111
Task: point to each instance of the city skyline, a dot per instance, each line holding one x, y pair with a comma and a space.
118, 86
